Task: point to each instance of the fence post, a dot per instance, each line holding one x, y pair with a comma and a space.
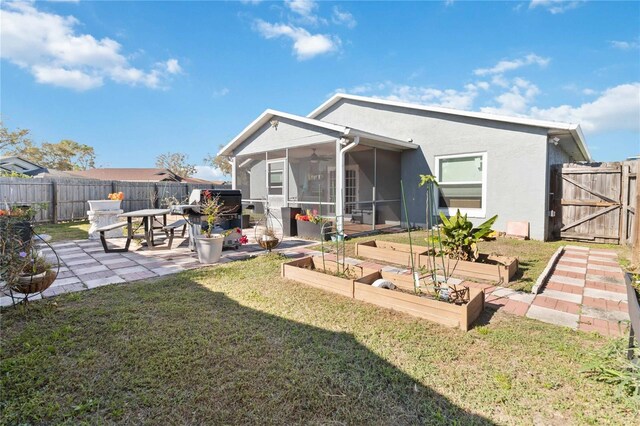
156, 195
54, 201
636, 220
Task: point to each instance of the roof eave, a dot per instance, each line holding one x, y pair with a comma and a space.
266, 116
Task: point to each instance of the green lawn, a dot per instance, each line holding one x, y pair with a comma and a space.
64, 231
237, 344
532, 255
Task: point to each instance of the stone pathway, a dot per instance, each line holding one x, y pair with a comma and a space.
85, 265
585, 291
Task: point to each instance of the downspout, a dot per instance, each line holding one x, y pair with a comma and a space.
234, 173
340, 175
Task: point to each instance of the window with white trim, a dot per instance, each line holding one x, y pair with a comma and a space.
462, 183
276, 177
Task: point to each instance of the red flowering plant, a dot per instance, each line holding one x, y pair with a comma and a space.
311, 216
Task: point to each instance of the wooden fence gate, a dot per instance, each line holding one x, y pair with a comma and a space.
594, 202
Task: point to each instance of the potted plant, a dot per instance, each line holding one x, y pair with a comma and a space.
208, 244
310, 225
17, 221
233, 238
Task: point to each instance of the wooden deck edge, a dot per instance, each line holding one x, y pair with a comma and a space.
546, 273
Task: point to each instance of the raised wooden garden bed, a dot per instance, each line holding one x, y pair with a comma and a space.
389, 252
449, 314
310, 271
497, 269
357, 284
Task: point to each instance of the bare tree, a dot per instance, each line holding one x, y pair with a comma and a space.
177, 163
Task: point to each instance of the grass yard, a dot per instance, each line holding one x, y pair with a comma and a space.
532, 255
237, 344
64, 231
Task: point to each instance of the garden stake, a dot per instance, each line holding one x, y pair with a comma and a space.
406, 215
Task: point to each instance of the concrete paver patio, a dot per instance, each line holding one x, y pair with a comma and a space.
85, 265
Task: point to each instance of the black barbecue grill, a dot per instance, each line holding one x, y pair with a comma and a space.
231, 218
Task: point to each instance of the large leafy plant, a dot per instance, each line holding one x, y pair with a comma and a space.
461, 237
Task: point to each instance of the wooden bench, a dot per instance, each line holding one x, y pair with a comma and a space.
170, 229
103, 240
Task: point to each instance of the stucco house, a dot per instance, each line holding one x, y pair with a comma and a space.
348, 157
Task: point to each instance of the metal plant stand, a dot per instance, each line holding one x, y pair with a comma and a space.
33, 289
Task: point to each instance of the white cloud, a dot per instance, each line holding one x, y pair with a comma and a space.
210, 173
71, 79
516, 100
55, 54
305, 44
447, 98
617, 108
625, 45
173, 67
305, 10
342, 17
555, 6
221, 92
302, 7
510, 65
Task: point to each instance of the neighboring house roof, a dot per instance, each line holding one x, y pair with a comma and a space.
573, 129
198, 180
129, 174
344, 131
52, 173
18, 164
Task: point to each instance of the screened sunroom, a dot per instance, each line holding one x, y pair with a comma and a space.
348, 176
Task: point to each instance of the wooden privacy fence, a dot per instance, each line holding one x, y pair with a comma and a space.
66, 199
594, 202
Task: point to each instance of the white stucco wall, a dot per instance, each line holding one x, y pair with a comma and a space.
516, 156
288, 134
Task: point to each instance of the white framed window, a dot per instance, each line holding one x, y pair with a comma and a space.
275, 176
462, 180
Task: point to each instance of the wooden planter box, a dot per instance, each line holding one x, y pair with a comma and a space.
309, 270
451, 315
389, 252
489, 268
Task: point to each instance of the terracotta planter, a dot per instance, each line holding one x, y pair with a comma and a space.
310, 271
209, 249
496, 269
389, 252
449, 314
36, 283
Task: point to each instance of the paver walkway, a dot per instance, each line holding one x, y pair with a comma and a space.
85, 265
585, 291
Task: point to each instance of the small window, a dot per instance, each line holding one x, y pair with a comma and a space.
462, 180
276, 178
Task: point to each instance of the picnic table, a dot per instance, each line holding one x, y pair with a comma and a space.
148, 216
149, 219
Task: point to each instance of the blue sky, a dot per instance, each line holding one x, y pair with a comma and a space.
136, 79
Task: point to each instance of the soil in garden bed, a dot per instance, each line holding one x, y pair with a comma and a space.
423, 295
